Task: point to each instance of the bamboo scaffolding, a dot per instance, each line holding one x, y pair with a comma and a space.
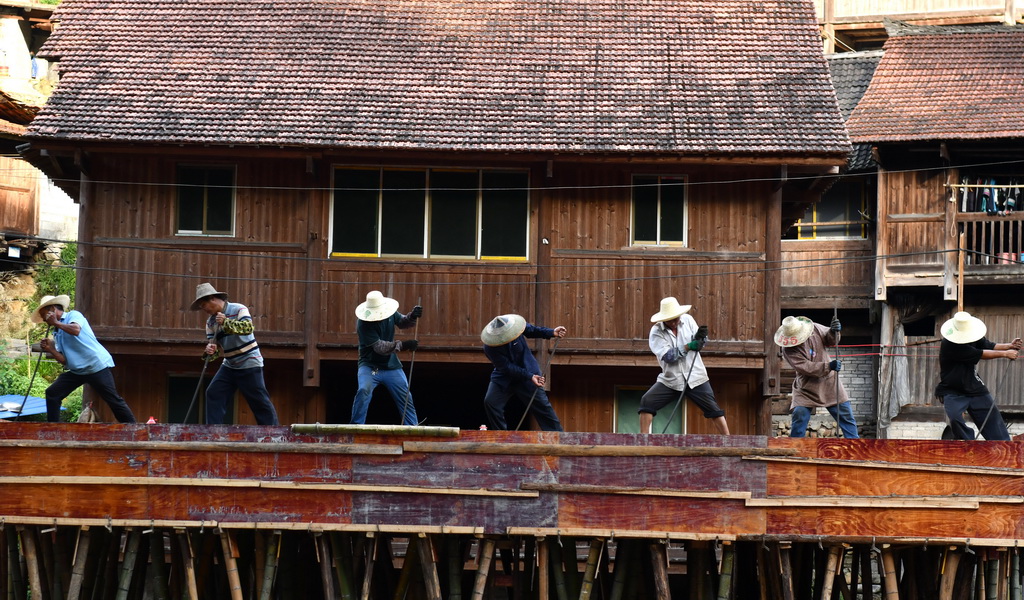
188, 564
227, 545
131, 553
428, 563
590, 573
272, 554
484, 560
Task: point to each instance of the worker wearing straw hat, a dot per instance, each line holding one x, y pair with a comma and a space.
961, 389
676, 340
75, 346
229, 328
516, 372
378, 317
805, 347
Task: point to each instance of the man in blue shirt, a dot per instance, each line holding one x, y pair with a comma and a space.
516, 372
75, 346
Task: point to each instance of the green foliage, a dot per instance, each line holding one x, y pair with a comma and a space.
16, 375
54, 280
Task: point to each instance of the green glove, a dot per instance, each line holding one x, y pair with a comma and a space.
236, 327
695, 345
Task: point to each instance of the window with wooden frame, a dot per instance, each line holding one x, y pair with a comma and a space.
206, 200
475, 214
839, 214
659, 210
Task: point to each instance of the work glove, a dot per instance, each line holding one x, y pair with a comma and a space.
695, 345
410, 345
671, 356
836, 326
702, 332
835, 365
417, 312
237, 327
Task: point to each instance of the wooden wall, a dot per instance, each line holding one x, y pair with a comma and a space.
19, 202
139, 277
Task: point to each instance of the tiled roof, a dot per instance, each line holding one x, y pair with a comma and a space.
851, 74
630, 76
935, 84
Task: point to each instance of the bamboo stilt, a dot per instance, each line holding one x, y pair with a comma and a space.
555, 555
78, 568
323, 551
259, 557
949, 569
835, 556
44, 549
271, 555
726, 578
408, 567
428, 562
61, 564
543, 571
1015, 584
343, 565
131, 552
371, 557
764, 570
110, 565
455, 568
137, 583
992, 577
659, 562
158, 561
30, 550
1003, 585
891, 582
187, 564
227, 546
483, 568
590, 573
208, 545
572, 567
696, 568
785, 571
622, 571
18, 584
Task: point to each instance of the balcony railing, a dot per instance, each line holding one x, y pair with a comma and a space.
991, 239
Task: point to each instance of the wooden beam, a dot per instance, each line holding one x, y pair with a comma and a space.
268, 447
578, 450
950, 502
617, 490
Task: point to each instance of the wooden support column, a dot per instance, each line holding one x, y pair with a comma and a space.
18, 581
659, 564
409, 565
428, 562
484, 560
593, 561
950, 563
343, 566
785, 570
30, 550
890, 580
725, 587
323, 551
543, 581
187, 564
131, 553
271, 555
371, 556
832, 565
79, 563
230, 553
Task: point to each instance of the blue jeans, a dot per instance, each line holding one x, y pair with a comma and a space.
250, 383
102, 382
395, 382
842, 413
983, 412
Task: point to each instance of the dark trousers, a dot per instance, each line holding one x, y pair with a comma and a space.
102, 382
983, 412
250, 383
497, 397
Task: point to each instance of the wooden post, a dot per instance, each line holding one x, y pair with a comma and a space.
18, 584
593, 561
408, 566
428, 562
543, 581
785, 570
78, 567
343, 565
371, 556
949, 568
728, 564
891, 582
271, 556
227, 546
30, 551
455, 567
483, 568
323, 552
659, 562
131, 552
188, 564
835, 558
960, 275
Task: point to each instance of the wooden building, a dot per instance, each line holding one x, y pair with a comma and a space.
573, 162
941, 115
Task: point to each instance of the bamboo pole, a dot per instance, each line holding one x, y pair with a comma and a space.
259, 561
371, 557
891, 582
271, 556
726, 578
484, 560
228, 548
622, 571
187, 564
572, 567
659, 563
343, 565
44, 548
323, 554
866, 579
835, 557
428, 562
61, 564
455, 568
1015, 584
79, 563
408, 566
950, 564
131, 552
590, 573
785, 570
30, 551
18, 584
158, 560
543, 581
555, 555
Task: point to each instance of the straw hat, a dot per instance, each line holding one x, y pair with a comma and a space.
502, 330
377, 307
963, 329
203, 291
62, 301
670, 309
794, 331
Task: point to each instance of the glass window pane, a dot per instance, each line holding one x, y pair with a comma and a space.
453, 213
505, 214
403, 200
190, 199
220, 200
673, 194
355, 211
645, 210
